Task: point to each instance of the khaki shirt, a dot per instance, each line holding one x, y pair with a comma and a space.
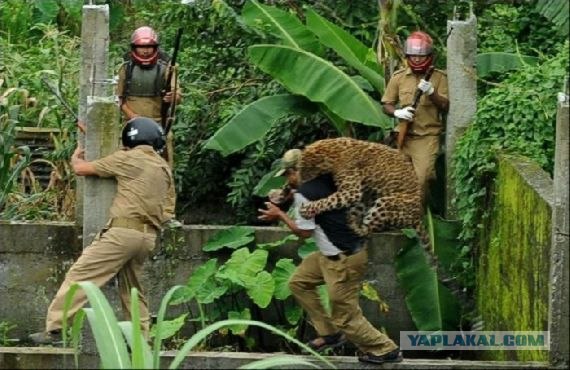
143, 181
401, 90
146, 106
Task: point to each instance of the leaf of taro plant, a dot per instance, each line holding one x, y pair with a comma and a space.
307, 248
243, 265
293, 312
278, 243
233, 238
169, 327
260, 288
282, 272
239, 315
200, 276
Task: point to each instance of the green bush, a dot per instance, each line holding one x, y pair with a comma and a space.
518, 117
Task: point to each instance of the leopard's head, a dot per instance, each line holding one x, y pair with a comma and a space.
313, 164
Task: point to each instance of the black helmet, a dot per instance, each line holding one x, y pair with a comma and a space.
143, 131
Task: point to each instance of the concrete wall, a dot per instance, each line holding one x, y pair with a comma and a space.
514, 257
35, 257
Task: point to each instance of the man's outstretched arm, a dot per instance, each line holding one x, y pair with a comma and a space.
80, 166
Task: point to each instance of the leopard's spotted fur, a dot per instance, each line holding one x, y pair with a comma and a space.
379, 187
377, 183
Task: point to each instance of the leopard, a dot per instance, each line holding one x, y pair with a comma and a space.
376, 183
380, 189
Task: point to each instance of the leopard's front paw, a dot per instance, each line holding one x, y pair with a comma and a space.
308, 211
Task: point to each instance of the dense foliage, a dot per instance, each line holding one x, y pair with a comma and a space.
41, 38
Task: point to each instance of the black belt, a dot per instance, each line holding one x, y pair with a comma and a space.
347, 253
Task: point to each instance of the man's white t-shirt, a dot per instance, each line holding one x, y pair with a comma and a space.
323, 243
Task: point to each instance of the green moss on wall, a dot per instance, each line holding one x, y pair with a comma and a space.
513, 272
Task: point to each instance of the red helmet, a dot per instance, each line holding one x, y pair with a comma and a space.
144, 36
419, 43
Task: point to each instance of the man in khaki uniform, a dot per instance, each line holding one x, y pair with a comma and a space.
136, 214
422, 139
140, 88
340, 263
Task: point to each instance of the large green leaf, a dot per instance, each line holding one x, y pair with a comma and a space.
309, 246
254, 121
283, 25
140, 350
320, 81
293, 312
278, 243
239, 315
260, 288
169, 327
268, 182
243, 265
431, 305
501, 62
282, 272
108, 337
347, 46
233, 238
557, 12
196, 282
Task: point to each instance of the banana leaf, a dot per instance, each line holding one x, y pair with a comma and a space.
347, 46
282, 24
557, 12
431, 305
255, 120
320, 81
501, 62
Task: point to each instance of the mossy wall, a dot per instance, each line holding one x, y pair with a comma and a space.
514, 256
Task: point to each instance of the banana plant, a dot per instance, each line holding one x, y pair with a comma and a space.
315, 83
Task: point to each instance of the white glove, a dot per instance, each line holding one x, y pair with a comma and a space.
406, 113
426, 87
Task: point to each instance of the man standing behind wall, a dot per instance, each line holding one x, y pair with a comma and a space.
340, 263
141, 87
422, 140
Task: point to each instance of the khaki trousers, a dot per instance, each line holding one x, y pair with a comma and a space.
342, 279
423, 151
168, 155
118, 251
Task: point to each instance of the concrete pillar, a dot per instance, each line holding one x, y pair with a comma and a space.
94, 62
461, 74
558, 309
102, 138
101, 116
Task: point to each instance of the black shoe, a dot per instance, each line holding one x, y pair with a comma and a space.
47, 337
330, 341
393, 356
